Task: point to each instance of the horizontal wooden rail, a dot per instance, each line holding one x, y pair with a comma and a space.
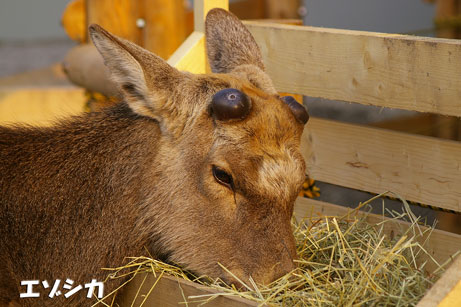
441, 245
419, 168
172, 292
389, 70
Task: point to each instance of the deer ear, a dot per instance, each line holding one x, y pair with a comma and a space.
229, 44
143, 78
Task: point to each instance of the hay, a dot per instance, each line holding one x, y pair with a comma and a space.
343, 261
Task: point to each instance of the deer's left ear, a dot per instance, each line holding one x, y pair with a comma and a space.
229, 44
145, 80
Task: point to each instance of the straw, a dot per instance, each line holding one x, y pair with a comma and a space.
343, 261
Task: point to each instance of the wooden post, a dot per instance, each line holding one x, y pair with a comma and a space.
191, 55
444, 10
73, 20
117, 16
276, 9
165, 26
201, 9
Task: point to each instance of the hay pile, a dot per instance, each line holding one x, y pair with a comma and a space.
343, 261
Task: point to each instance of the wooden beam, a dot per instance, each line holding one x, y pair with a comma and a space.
387, 70
445, 9
119, 17
419, 168
73, 20
441, 245
172, 292
452, 298
191, 56
165, 26
248, 9
282, 9
201, 9
446, 291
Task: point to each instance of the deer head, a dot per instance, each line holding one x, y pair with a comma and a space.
228, 170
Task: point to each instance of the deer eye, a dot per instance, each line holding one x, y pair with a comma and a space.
222, 177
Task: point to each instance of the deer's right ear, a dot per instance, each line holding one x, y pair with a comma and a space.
144, 78
229, 44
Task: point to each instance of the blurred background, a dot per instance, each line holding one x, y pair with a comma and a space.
31, 35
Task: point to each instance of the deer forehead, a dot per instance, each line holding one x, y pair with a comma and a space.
266, 157
281, 175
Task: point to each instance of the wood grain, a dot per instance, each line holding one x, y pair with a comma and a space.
419, 168
388, 70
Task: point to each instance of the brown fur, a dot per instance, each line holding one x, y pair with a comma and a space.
84, 194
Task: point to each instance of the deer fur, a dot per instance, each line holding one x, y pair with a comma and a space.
91, 190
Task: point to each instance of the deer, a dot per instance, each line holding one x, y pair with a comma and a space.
201, 170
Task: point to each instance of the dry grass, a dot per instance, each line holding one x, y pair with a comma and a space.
343, 261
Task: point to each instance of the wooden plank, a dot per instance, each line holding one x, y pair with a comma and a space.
165, 27
73, 20
389, 70
446, 291
191, 56
442, 245
444, 10
171, 291
248, 9
201, 9
282, 9
117, 16
452, 298
419, 168
289, 21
